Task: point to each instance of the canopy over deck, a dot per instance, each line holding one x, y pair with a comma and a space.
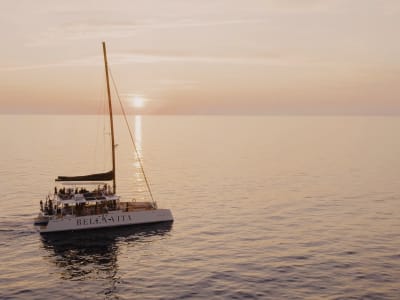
81, 183
92, 177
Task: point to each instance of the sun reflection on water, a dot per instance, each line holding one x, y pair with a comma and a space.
138, 134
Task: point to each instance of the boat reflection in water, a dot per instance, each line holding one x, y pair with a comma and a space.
83, 256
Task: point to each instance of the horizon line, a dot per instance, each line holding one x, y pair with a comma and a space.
209, 114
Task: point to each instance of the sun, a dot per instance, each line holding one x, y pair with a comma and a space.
137, 101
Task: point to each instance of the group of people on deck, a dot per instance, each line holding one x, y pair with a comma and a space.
67, 193
47, 207
50, 208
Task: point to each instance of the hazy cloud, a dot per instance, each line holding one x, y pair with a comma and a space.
141, 58
117, 30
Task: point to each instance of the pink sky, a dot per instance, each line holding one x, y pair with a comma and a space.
202, 57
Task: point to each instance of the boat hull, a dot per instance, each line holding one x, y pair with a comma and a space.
111, 219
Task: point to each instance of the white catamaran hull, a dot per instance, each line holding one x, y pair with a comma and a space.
111, 219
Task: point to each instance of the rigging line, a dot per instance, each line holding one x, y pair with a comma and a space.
132, 138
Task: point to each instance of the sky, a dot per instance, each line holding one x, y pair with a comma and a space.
273, 57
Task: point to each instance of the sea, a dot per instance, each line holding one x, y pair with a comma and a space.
265, 207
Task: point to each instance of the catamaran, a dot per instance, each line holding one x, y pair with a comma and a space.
89, 202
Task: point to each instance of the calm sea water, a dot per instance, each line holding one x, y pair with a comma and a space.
264, 207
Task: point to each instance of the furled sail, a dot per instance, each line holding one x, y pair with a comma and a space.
91, 177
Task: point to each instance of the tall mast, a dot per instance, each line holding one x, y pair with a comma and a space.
111, 116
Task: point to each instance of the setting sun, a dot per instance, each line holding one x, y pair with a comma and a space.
137, 101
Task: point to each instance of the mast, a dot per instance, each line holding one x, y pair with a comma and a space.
111, 117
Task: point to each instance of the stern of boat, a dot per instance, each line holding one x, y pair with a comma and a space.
41, 220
